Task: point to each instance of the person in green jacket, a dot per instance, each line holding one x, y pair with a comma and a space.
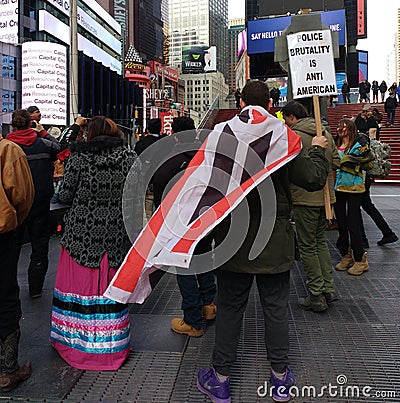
270, 269
309, 215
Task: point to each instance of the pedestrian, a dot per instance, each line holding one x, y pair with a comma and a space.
237, 98
197, 289
275, 95
375, 90
362, 90
398, 92
355, 155
90, 331
367, 91
388, 236
310, 217
392, 89
361, 120
41, 150
16, 197
271, 268
346, 92
382, 89
390, 109
153, 134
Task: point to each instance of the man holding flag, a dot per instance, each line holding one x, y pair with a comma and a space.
232, 165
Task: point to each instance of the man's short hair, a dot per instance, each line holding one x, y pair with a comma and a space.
32, 109
296, 109
154, 126
184, 129
256, 93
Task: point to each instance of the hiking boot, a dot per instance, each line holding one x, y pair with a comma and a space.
10, 381
209, 384
315, 303
359, 267
330, 297
388, 239
281, 387
178, 325
210, 311
346, 262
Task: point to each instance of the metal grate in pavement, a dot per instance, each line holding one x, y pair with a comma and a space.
145, 377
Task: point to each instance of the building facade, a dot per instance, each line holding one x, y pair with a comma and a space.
101, 86
202, 89
235, 26
198, 23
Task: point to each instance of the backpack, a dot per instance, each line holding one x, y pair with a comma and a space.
382, 165
378, 116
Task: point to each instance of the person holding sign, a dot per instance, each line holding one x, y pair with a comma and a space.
355, 155
309, 215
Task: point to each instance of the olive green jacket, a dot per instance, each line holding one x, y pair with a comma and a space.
308, 170
306, 129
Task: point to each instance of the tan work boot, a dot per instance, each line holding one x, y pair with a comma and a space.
346, 262
359, 267
178, 325
210, 311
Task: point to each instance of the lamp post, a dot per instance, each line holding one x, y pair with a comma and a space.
73, 61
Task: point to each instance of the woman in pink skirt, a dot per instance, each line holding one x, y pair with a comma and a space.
88, 330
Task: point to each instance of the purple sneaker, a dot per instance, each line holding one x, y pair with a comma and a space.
209, 384
281, 387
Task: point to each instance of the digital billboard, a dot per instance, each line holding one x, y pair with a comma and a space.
199, 59
44, 80
261, 34
9, 21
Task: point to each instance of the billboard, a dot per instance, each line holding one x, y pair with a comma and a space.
9, 21
293, 6
262, 33
44, 80
242, 42
199, 59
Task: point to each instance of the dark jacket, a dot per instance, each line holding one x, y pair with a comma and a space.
41, 154
145, 142
167, 174
308, 170
93, 184
345, 89
390, 103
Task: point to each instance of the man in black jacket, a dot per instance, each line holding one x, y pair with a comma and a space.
41, 153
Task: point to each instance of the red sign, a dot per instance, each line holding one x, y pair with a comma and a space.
361, 18
166, 122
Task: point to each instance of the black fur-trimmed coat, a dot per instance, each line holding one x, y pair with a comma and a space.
93, 185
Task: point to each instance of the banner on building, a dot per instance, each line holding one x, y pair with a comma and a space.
199, 59
9, 21
44, 80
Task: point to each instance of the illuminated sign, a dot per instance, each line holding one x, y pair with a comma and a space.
44, 80
262, 33
134, 66
50, 24
9, 21
199, 59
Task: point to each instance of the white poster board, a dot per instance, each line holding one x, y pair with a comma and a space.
311, 62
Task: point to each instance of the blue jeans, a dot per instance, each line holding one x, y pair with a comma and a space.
198, 290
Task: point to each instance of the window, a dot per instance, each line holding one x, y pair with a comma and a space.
8, 101
8, 68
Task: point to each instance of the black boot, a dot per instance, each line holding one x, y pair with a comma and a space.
36, 276
315, 303
11, 375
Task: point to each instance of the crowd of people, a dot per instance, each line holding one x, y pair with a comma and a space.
91, 331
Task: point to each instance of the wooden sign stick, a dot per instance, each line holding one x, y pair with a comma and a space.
318, 124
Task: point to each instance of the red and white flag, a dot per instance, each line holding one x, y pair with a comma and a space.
237, 156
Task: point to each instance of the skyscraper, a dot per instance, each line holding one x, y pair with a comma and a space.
235, 27
198, 22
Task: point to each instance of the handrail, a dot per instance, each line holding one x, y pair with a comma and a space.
214, 105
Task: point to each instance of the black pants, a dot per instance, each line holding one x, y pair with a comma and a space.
10, 306
348, 215
38, 226
233, 294
373, 212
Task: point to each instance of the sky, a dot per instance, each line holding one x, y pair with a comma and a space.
381, 28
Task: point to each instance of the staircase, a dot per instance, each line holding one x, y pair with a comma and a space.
389, 135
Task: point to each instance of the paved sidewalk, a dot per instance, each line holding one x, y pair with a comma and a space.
355, 344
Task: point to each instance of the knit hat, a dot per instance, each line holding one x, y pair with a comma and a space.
32, 109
